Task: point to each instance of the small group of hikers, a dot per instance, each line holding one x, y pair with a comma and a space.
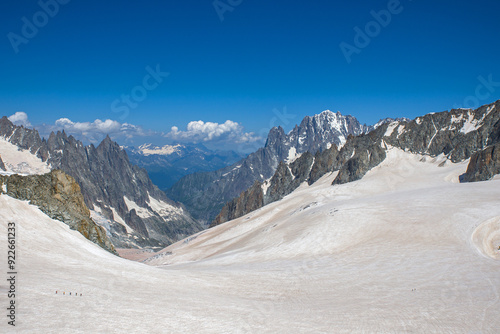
64, 293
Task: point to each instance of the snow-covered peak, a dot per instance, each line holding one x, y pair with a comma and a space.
388, 120
329, 115
327, 112
328, 121
150, 149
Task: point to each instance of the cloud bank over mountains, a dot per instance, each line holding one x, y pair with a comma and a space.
199, 131
98, 128
227, 135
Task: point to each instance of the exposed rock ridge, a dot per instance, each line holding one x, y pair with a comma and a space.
57, 195
249, 200
483, 165
457, 134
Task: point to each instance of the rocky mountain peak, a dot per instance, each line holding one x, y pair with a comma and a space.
5, 124
108, 142
109, 146
120, 195
204, 194
275, 137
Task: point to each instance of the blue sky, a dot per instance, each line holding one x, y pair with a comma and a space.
262, 60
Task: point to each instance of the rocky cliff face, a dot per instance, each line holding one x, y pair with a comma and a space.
288, 177
249, 200
483, 165
324, 162
284, 181
122, 192
57, 195
204, 194
456, 134
121, 196
359, 156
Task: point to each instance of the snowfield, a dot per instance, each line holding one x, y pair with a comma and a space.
19, 161
406, 249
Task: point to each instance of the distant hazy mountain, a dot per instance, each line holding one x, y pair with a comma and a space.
167, 164
204, 194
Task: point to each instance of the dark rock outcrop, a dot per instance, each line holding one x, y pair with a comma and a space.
324, 162
57, 195
457, 134
2, 166
362, 161
285, 180
250, 200
495, 134
281, 181
483, 165
359, 155
301, 168
288, 177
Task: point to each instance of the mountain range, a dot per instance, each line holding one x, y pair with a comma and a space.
121, 197
456, 135
133, 212
205, 194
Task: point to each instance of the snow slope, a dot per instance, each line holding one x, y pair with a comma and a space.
19, 161
405, 249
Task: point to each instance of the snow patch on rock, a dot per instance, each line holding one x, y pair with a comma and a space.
162, 208
19, 161
141, 212
390, 129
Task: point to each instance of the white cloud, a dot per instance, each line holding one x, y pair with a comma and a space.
104, 127
199, 131
228, 135
20, 118
95, 131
